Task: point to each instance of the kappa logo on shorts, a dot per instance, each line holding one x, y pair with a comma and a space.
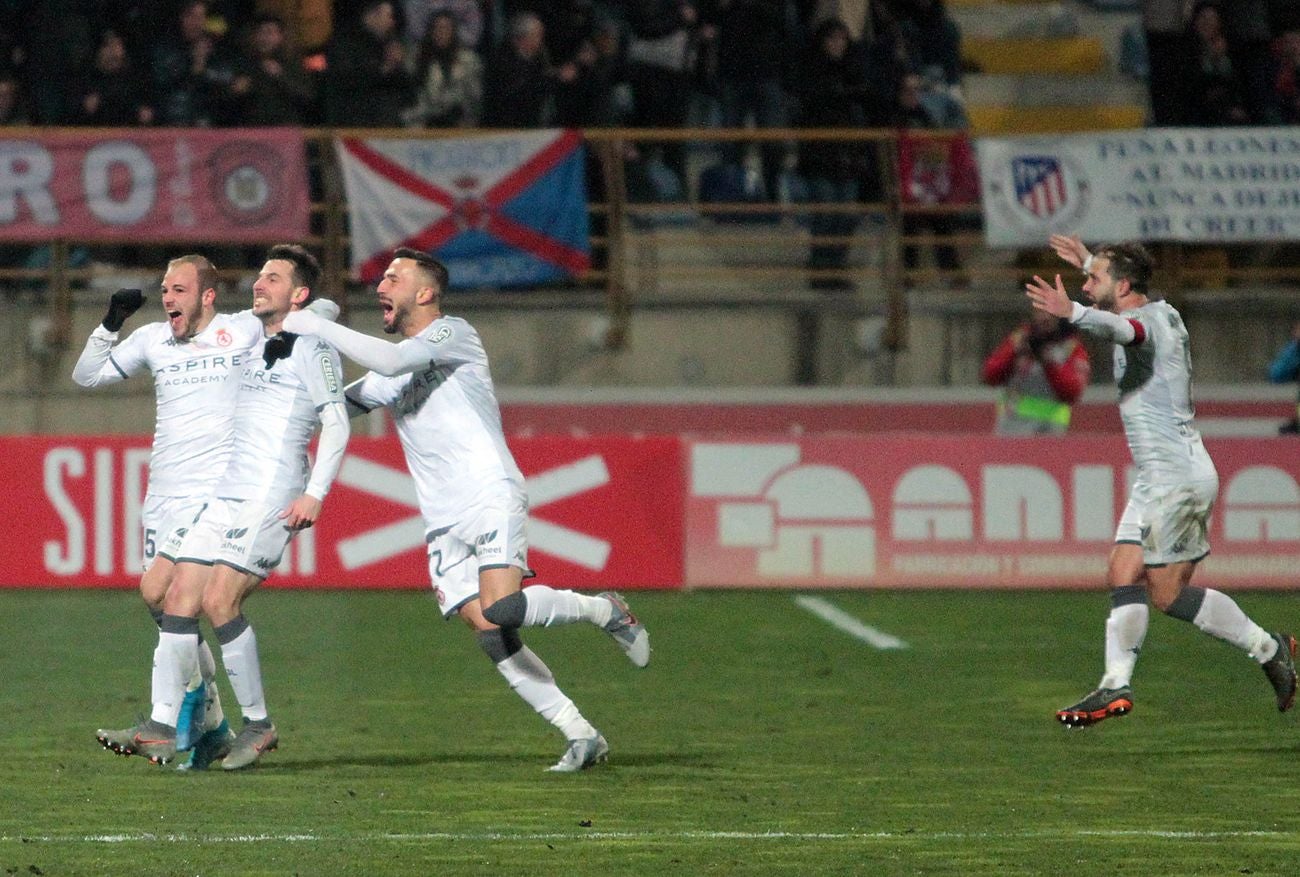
239, 533
264, 563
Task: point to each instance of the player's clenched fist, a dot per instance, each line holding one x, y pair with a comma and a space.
123, 304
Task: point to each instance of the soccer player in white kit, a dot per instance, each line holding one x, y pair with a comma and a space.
1163, 532
470, 491
190, 355
286, 387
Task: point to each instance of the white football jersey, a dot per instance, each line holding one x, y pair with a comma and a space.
275, 419
448, 421
195, 398
1155, 398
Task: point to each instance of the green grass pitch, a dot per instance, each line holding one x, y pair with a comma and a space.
760, 740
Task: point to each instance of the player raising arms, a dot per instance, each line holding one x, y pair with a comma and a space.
471, 493
1163, 533
286, 388
190, 355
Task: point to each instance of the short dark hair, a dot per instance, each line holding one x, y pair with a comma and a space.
306, 270
207, 272
1130, 261
433, 269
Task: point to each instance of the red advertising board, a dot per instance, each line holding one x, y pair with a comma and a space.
605, 512
973, 511
234, 185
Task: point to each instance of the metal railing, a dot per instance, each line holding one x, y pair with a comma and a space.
631, 235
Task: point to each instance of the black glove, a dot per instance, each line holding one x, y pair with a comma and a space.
278, 346
123, 304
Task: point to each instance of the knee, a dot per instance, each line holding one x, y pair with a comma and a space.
220, 605
509, 611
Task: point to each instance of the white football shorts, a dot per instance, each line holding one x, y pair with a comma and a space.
1170, 521
164, 521
490, 534
245, 534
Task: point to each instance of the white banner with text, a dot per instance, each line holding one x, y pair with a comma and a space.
1171, 184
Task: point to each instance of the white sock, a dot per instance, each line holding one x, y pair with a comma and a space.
547, 607
1221, 617
1126, 629
245, 674
174, 660
531, 679
213, 715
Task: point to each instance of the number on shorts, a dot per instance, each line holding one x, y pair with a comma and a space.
149, 546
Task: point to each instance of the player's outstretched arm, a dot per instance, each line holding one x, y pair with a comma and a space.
381, 357
1070, 248
95, 365
1053, 299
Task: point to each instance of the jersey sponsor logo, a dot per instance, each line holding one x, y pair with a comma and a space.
327, 370
485, 538
238, 533
441, 334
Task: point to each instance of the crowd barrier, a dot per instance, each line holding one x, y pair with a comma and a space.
839, 511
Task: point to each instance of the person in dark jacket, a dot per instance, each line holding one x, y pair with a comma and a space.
834, 94
366, 83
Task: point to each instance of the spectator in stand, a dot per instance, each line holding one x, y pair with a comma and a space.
1164, 30
450, 77
752, 62
1214, 90
1286, 368
189, 81
13, 108
366, 83
113, 94
1247, 29
271, 86
471, 21
886, 59
183, 87
938, 177
834, 94
569, 26
661, 55
57, 37
519, 83
933, 40
1043, 369
1286, 80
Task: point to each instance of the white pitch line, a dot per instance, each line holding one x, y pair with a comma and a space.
505, 836
850, 625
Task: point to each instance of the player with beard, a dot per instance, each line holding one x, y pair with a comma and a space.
190, 355
470, 491
1163, 533
286, 388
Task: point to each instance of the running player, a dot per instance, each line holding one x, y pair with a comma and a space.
471, 492
287, 387
1163, 533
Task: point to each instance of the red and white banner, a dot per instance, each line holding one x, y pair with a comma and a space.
913, 511
139, 185
604, 512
